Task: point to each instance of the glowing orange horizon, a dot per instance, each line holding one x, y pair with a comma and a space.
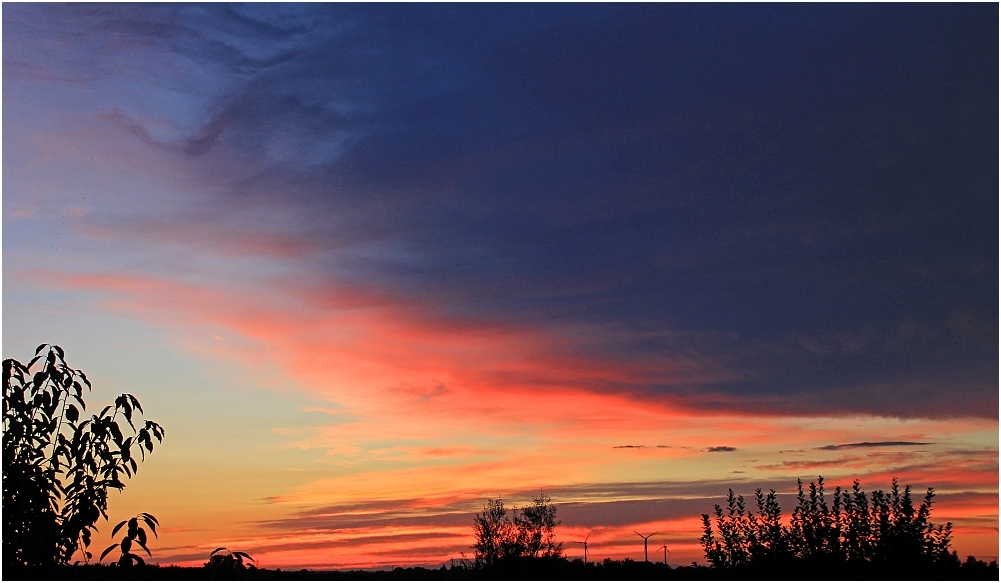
430, 413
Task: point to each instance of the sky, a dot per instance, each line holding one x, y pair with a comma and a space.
372, 265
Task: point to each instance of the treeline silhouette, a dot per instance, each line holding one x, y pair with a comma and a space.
851, 535
550, 569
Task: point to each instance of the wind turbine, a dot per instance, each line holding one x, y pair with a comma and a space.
665, 553
646, 556
584, 542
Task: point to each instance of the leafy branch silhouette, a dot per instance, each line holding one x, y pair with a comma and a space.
135, 534
57, 464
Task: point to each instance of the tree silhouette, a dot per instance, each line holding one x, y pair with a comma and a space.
58, 466
492, 530
536, 525
528, 533
854, 529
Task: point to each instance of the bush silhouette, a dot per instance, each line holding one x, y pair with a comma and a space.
226, 564
880, 529
58, 466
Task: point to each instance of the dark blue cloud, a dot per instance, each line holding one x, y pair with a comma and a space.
804, 197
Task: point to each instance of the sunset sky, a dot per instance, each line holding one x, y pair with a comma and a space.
371, 265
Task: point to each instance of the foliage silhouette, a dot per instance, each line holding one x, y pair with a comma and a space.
135, 535
57, 465
226, 564
881, 529
528, 533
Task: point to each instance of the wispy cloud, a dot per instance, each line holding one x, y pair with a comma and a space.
864, 444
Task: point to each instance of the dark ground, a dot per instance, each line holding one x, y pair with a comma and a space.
559, 569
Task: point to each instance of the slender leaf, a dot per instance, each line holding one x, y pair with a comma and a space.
135, 403
118, 527
106, 551
150, 523
142, 543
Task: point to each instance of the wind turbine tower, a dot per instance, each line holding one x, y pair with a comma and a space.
584, 542
665, 553
646, 556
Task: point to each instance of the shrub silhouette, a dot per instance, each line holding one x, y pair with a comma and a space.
58, 466
226, 564
528, 533
883, 528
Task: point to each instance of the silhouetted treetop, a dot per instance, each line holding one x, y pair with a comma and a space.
530, 532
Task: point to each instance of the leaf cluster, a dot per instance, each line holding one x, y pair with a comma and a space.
58, 464
855, 528
529, 532
134, 535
